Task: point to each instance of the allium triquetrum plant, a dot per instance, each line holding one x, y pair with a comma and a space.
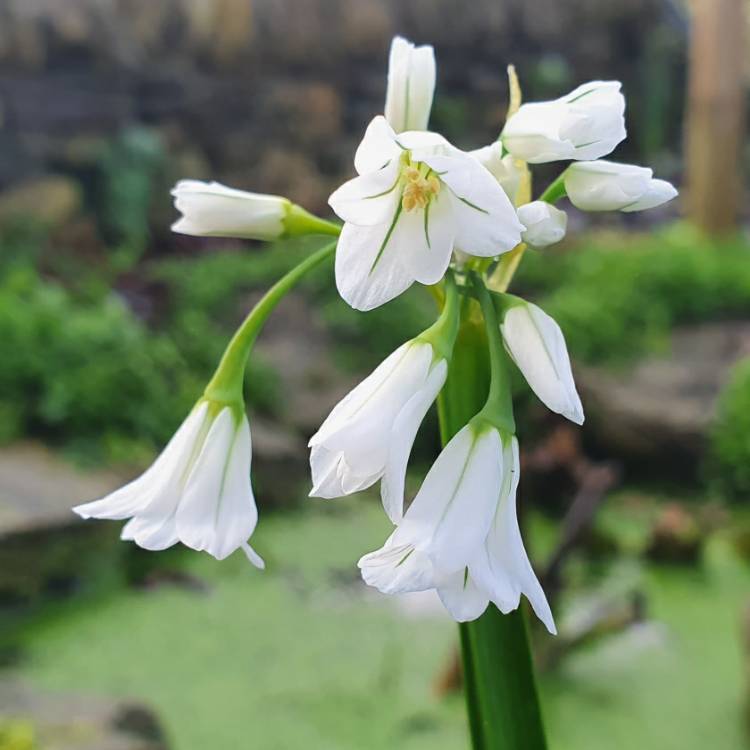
418, 210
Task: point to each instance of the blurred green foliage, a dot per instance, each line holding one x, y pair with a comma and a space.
17, 735
729, 459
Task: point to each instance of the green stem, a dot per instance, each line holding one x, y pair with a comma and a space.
498, 408
501, 695
555, 190
442, 333
226, 384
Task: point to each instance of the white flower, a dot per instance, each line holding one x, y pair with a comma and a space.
461, 534
587, 123
415, 200
537, 346
500, 570
502, 168
411, 84
608, 186
196, 492
370, 433
544, 223
210, 209
447, 521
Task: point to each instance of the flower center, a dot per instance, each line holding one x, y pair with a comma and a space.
419, 188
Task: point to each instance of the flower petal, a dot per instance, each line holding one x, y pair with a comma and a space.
511, 569
159, 479
397, 569
369, 199
462, 597
486, 221
369, 270
218, 512
403, 433
452, 512
377, 148
658, 192
537, 346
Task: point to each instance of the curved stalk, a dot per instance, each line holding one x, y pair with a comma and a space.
226, 384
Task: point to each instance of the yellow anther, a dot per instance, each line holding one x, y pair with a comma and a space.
419, 190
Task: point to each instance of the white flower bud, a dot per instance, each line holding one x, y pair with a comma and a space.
545, 224
537, 346
411, 84
587, 123
502, 168
608, 186
210, 209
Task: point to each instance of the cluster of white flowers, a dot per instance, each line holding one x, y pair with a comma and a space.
422, 210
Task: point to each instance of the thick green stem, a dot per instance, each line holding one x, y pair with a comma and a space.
226, 384
502, 700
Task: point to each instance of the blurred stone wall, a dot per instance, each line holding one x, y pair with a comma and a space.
274, 94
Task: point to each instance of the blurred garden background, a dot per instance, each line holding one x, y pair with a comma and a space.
638, 523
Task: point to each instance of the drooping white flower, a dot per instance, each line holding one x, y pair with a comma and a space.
210, 209
197, 491
447, 521
461, 535
536, 344
416, 199
411, 84
500, 570
609, 186
545, 224
502, 168
587, 123
369, 435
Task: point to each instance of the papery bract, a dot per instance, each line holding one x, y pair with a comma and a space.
197, 491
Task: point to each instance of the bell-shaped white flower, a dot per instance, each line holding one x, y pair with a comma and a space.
449, 518
587, 123
503, 168
411, 84
369, 435
545, 224
210, 209
197, 491
536, 344
500, 571
608, 186
415, 200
